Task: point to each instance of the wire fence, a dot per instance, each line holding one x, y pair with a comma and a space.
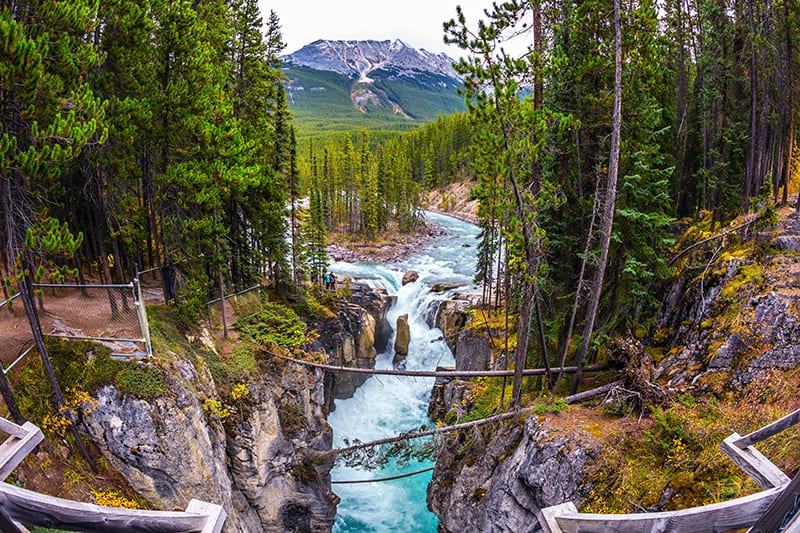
238, 305
160, 284
113, 315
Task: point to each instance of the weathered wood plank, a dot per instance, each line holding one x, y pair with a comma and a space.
6, 524
15, 449
725, 516
33, 508
215, 513
10, 428
754, 463
767, 431
771, 519
547, 516
591, 393
793, 526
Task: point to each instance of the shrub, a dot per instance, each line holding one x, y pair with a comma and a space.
215, 407
112, 498
275, 323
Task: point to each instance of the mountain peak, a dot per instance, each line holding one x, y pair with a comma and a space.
360, 58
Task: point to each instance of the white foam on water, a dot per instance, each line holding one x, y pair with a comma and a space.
384, 406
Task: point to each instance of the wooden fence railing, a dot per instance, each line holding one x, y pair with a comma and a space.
21, 506
774, 509
21, 440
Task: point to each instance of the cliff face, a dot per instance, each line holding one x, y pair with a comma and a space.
471, 348
353, 338
496, 480
265, 463
261, 453
736, 319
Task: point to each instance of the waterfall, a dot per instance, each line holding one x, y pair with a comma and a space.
386, 405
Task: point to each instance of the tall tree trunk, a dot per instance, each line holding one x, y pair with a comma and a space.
787, 172
607, 220
753, 141
8, 397
26, 293
530, 286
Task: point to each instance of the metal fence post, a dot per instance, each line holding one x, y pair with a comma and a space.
141, 314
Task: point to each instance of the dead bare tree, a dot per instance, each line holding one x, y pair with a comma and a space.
608, 202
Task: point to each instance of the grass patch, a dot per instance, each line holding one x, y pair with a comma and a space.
79, 365
673, 460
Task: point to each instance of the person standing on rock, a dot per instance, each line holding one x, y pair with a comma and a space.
327, 279
333, 281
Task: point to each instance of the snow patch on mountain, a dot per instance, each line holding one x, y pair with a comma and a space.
360, 58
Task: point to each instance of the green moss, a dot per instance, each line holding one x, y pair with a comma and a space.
142, 381
82, 366
242, 362
549, 406
78, 365
167, 329
746, 282
241, 365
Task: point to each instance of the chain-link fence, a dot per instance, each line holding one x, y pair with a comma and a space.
15, 332
237, 305
113, 315
160, 284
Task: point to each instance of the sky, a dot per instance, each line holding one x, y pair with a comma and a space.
418, 23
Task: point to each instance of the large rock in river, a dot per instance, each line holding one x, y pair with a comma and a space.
402, 339
378, 302
410, 277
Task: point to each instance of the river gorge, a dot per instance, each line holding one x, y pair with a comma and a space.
385, 406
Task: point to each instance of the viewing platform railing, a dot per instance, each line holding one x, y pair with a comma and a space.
20, 506
775, 509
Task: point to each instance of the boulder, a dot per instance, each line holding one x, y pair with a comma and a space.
349, 340
410, 277
378, 302
441, 287
401, 340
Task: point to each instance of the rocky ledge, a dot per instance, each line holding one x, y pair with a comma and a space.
265, 461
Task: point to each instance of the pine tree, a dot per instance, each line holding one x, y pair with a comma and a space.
49, 115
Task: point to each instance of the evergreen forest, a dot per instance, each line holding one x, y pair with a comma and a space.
138, 134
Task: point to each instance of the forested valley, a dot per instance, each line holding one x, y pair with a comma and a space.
161, 133
143, 134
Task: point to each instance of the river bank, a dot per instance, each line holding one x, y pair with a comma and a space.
391, 247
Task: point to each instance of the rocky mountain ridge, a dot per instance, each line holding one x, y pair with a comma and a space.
364, 57
349, 85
